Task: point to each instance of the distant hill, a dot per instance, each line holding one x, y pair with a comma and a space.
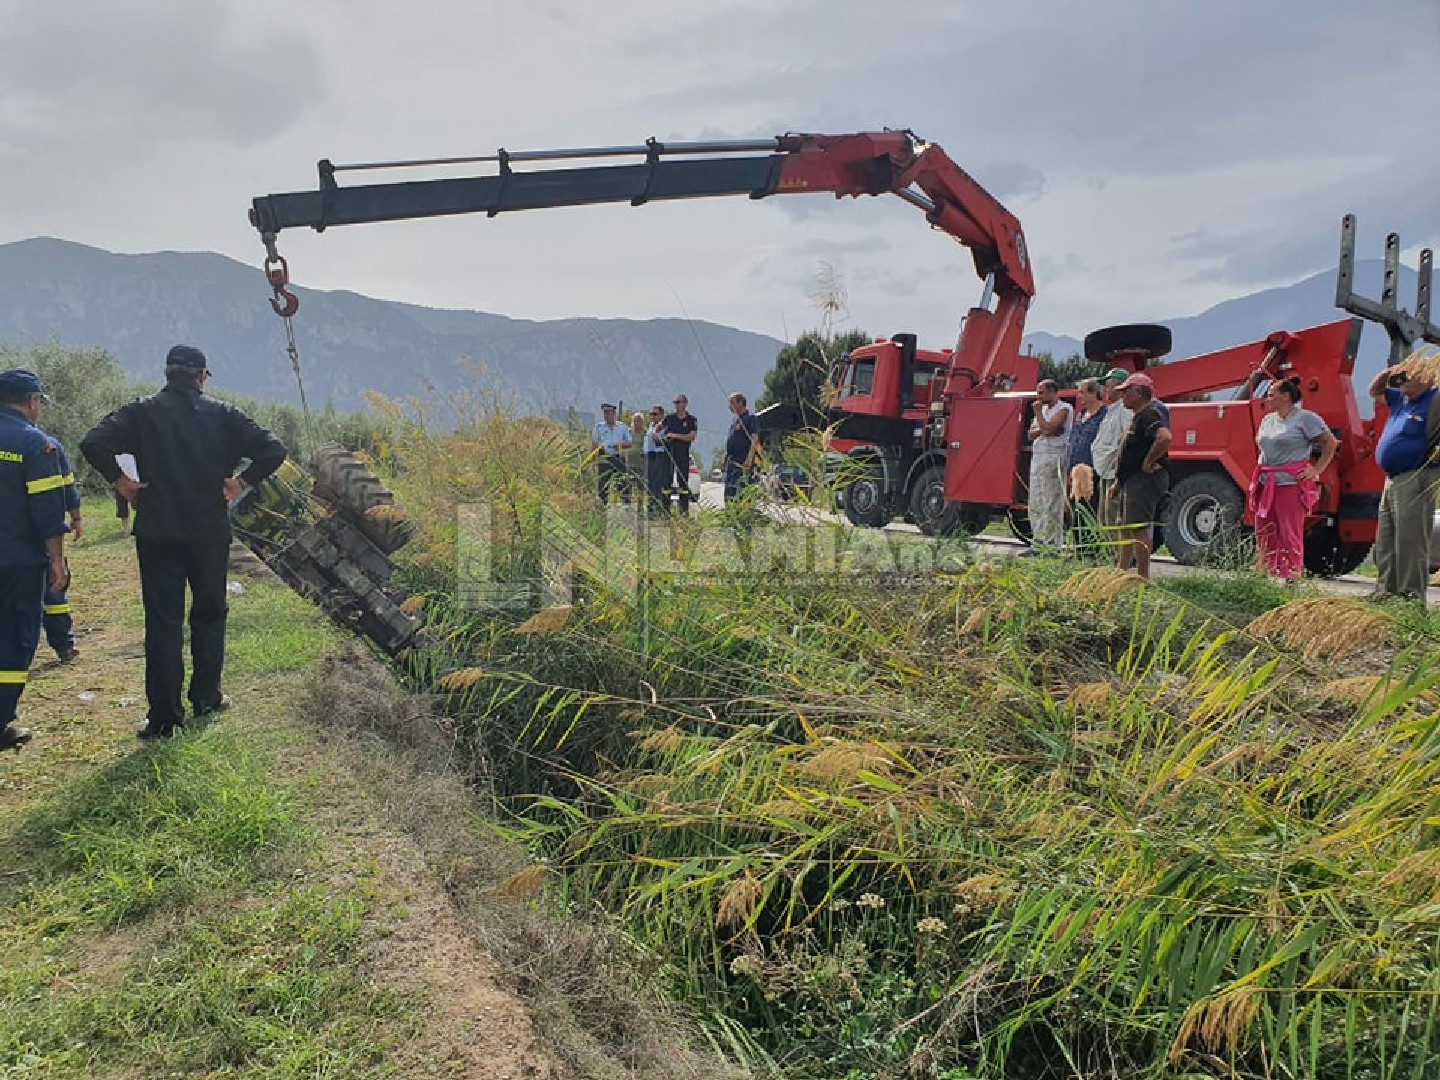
137, 306
1249, 318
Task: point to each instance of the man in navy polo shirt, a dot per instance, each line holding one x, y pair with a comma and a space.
1406, 452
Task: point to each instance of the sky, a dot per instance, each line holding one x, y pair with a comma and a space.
1163, 155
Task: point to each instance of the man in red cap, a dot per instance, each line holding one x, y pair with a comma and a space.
1141, 479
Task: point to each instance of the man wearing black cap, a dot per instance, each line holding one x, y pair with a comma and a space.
34, 479
186, 448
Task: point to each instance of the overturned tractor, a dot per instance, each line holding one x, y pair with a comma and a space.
329, 534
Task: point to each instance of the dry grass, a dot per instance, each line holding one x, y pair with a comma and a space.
1100, 584
459, 681
1092, 697
1322, 628
739, 901
549, 620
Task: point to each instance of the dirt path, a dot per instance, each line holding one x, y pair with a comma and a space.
85, 714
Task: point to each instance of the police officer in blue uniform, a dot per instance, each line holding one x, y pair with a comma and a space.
33, 478
186, 447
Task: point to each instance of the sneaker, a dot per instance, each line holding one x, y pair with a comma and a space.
152, 730
219, 706
65, 656
12, 737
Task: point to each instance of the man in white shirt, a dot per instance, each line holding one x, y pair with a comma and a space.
607, 441
1050, 438
1105, 451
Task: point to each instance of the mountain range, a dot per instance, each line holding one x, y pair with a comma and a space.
136, 306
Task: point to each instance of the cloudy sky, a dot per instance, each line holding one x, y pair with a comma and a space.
1163, 155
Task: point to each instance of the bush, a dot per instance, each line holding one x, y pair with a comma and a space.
86, 383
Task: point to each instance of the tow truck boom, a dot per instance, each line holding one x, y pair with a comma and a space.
867, 163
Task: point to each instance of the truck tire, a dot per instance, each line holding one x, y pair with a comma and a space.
928, 507
1147, 340
1326, 555
1202, 518
867, 503
344, 479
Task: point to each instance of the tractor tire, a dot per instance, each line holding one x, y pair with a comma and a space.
358, 493
1202, 518
1142, 340
928, 506
1326, 555
867, 504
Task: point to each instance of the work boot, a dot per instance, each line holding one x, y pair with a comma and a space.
65, 656
219, 706
12, 737
152, 730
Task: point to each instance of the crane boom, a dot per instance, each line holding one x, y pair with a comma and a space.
869, 163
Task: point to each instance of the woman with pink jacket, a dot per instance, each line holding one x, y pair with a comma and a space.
1296, 447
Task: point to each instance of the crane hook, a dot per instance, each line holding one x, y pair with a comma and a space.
277, 271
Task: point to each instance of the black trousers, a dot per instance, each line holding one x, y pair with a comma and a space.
165, 569
610, 474
21, 590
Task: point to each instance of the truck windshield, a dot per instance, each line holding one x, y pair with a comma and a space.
858, 379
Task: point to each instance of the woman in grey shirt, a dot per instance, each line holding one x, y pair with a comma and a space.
1285, 487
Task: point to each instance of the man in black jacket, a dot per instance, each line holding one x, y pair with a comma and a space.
186, 448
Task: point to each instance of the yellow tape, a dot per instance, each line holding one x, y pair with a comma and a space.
46, 483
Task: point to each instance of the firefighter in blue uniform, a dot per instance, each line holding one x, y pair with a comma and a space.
33, 478
59, 624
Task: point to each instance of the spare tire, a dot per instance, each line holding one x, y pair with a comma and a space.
343, 479
1143, 341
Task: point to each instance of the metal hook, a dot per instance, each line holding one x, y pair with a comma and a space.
277, 271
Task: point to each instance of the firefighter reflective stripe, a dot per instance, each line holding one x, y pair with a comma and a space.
13, 678
57, 609
49, 483
11, 455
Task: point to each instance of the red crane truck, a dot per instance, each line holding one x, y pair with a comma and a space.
938, 437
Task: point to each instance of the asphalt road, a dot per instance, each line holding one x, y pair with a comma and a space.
712, 496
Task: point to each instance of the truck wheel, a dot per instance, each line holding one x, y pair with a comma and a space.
1326, 555
928, 507
866, 502
1146, 341
1203, 516
344, 479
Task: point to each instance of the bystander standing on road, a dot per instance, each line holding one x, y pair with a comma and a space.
1090, 410
1105, 450
742, 448
1050, 437
1407, 453
1286, 484
608, 440
1141, 475
679, 430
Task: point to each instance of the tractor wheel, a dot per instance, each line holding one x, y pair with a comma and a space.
867, 504
1326, 555
344, 479
1146, 341
928, 506
1202, 518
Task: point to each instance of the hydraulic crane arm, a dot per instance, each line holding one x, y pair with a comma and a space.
872, 163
